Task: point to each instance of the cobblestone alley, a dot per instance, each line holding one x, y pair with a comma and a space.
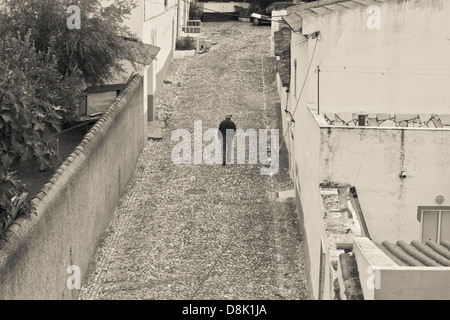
231, 240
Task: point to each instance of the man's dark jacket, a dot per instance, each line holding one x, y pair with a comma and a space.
226, 124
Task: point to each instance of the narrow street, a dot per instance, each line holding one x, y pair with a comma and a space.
229, 238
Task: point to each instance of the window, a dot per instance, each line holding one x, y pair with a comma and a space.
435, 223
153, 38
361, 120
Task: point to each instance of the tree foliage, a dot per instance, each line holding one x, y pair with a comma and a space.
94, 49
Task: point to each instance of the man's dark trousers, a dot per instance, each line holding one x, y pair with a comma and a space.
227, 129
227, 145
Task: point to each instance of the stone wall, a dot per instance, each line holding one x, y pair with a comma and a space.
74, 208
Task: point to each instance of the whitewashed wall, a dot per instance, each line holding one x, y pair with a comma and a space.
403, 67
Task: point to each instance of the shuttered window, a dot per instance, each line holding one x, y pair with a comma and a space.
435, 224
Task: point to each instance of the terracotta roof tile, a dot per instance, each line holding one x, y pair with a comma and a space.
282, 49
418, 254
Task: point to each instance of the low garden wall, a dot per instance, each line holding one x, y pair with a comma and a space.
42, 255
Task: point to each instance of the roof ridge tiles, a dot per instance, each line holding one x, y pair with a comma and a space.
446, 244
402, 255
431, 253
438, 248
414, 252
392, 256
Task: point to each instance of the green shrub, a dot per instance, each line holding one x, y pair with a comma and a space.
185, 43
195, 12
12, 201
41, 73
95, 49
258, 5
241, 11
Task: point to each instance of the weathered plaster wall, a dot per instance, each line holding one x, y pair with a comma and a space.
373, 158
368, 256
75, 207
403, 67
305, 157
419, 283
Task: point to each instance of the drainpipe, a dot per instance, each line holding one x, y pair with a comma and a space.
178, 17
355, 202
318, 90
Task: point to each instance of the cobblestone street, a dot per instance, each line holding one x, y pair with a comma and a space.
232, 240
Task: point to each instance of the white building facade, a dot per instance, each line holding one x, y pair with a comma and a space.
389, 63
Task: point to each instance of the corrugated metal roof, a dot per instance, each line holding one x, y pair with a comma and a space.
418, 254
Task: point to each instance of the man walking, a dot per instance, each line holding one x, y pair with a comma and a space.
227, 130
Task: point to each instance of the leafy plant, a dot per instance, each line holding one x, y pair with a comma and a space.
195, 12
242, 12
41, 71
185, 43
12, 201
258, 5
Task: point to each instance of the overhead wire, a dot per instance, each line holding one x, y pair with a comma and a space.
318, 37
300, 42
307, 73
